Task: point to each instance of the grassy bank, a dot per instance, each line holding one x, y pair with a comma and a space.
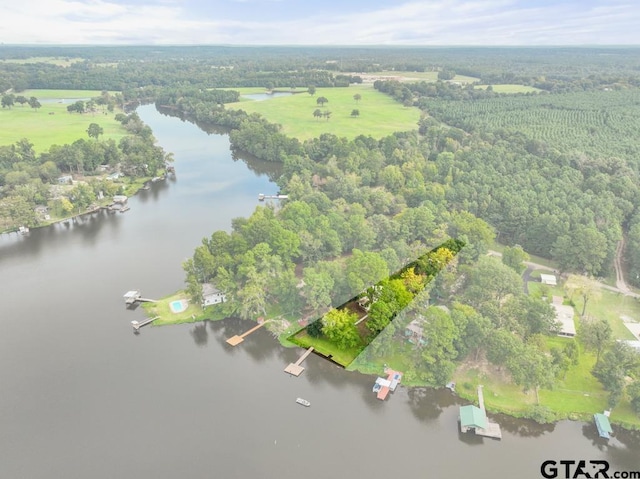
192, 314
577, 396
52, 124
379, 114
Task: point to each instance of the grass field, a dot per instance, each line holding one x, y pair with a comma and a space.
511, 88
424, 76
52, 124
379, 116
63, 62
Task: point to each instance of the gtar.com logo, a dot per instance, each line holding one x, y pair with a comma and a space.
594, 469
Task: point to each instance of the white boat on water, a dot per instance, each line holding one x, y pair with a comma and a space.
304, 402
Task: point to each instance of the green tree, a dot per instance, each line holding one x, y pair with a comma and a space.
7, 100
514, 257
584, 287
252, 297
317, 288
339, 327
633, 390
596, 335
317, 113
364, 269
617, 363
34, 103
355, 113
311, 90
326, 114
490, 280
357, 97
532, 369
21, 99
94, 131
441, 333
321, 100
583, 249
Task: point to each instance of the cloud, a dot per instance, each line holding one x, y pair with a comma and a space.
436, 22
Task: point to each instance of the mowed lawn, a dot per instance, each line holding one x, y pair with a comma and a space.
379, 115
422, 76
52, 124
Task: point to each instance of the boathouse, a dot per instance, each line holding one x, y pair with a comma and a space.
472, 417
603, 425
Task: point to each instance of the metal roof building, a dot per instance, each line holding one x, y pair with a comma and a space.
472, 417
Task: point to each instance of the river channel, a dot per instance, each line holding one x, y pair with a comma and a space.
81, 396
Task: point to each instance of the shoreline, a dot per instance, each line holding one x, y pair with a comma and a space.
131, 189
466, 391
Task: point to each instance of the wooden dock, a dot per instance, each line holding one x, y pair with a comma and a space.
493, 429
137, 325
294, 368
235, 340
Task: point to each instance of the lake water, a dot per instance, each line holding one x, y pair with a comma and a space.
81, 396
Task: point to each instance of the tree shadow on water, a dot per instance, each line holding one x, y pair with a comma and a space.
200, 334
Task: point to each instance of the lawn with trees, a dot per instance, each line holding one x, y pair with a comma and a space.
378, 115
56, 124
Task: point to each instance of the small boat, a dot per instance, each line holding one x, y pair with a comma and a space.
126, 208
304, 402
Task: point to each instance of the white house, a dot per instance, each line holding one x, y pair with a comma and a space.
564, 315
211, 295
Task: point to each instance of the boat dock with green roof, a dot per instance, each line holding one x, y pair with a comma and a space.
475, 418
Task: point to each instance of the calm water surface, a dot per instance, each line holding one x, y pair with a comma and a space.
81, 396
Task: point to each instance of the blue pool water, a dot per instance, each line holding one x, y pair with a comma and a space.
178, 306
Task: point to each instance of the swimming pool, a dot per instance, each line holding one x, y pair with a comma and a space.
178, 306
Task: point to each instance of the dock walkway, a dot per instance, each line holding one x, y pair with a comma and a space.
235, 340
493, 429
294, 368
137, 325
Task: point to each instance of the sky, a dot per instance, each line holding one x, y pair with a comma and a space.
321, 22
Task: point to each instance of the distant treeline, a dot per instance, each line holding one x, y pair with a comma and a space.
119, 68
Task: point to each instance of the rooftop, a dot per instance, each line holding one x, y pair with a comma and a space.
472, 416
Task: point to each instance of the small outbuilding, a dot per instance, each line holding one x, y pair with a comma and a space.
549, 279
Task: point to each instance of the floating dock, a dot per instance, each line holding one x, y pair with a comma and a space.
235, 340
383, 386
294, 368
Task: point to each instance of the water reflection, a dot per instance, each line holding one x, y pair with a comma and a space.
199, 334
522, 427
428, 404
